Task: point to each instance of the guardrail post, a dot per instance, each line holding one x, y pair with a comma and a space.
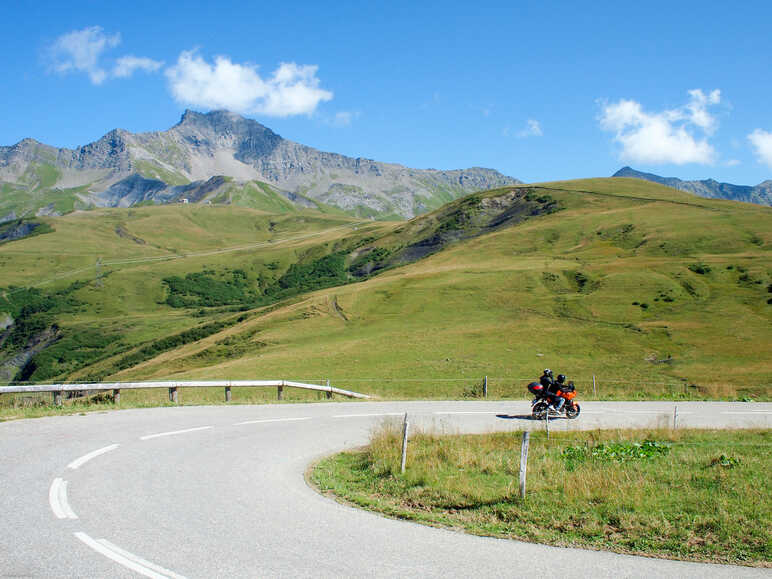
279, 391
485, 387
117, 396
173, 394
58, 398
227, 393
329, 390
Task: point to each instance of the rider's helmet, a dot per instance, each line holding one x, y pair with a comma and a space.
547, 372
561, 378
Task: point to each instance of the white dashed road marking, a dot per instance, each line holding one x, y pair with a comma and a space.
363, 415
272, 420
57, 498
87, 457
756, 412
128, 560
173, 432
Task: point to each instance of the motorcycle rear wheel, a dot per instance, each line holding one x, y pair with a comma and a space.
540, 410
572, 411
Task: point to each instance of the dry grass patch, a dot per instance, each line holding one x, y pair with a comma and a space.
693, 495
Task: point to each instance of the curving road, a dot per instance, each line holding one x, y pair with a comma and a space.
219, 492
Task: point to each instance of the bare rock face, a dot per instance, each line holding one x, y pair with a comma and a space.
122, 169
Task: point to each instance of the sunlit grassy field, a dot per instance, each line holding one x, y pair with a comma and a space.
695, 495
655, 292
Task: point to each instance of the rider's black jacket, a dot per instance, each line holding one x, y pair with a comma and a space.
546, 381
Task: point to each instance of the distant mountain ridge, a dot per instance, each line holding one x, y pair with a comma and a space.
760, 194
221, 157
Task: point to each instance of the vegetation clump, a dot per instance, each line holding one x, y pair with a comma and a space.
202, 289
700, 268
616, 451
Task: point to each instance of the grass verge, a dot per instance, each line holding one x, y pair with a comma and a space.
686, 494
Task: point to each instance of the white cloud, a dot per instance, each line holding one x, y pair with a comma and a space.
126, 65
762, 142
532, 129
733, 163
292, 89
80, 51
343, 118
663, 137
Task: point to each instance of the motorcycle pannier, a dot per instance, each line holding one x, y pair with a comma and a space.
535, 388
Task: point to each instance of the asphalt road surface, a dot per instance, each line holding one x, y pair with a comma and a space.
220, 492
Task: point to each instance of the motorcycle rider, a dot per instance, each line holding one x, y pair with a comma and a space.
557, 401
546, 379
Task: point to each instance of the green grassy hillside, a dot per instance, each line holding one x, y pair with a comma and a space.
653, 291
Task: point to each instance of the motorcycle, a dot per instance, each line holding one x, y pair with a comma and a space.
540, 405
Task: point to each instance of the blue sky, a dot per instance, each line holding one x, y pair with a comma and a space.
554, 91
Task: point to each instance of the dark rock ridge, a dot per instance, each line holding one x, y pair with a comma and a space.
123, 169
761, 194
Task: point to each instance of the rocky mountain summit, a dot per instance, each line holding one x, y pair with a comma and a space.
221, 157
761, 194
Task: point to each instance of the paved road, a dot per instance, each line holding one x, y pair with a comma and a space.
219, 492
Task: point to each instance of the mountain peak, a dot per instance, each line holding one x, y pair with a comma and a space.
709, 188
217, 117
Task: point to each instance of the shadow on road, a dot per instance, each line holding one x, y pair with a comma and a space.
526, 417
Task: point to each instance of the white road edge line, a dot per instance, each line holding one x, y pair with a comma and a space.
753, 412
470, 412
149, 436
272, 420
363, 415
78, 462
126, 559
140, 560
57, 498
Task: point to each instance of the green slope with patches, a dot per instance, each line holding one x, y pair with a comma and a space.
653, 291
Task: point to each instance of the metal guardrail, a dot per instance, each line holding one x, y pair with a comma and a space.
58, 389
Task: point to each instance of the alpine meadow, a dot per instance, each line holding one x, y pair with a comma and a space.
655, 292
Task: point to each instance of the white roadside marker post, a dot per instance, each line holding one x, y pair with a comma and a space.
405, 427
523, 462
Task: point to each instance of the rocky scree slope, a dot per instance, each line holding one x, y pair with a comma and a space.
760, 194
123, 169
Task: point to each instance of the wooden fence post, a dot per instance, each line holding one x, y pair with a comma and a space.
117, 396
485, 387
329, 390
279, 390
523, 462
405, 427
227, 393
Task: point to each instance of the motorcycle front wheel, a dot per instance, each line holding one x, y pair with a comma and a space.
540, 410
572, 411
